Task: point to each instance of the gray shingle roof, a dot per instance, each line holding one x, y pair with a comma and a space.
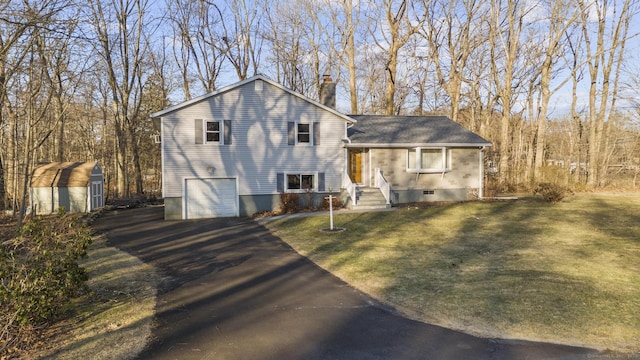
411, 130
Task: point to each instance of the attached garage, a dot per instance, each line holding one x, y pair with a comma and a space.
210, 198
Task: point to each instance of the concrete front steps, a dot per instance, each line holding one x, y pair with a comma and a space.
369, 199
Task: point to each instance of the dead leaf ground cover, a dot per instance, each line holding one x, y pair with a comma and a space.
114, 320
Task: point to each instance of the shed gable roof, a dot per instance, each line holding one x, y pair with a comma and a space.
242, 83
411, 131
64, 174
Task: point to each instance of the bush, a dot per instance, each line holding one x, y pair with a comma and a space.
552, 192
39, 274
290, 203
336, 204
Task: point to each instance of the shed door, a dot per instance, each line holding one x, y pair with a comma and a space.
97, 195
209, 198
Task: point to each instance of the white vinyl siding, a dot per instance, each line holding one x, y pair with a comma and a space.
260, 149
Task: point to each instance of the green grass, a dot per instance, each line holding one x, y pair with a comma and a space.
564, 273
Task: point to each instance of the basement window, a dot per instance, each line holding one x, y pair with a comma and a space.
429, 192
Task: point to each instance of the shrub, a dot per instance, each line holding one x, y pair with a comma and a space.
39, 273
290, 203
552, 192
336, 204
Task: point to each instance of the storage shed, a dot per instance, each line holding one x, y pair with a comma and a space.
74, 186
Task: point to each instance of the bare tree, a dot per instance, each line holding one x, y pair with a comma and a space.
37, 99
241, 40
293, 40
602, 59
372, 73
403, 21
454, 30
505, 40
14, 23
560, 17
198, 41
122, 52
345, 18
425, 90
24, 90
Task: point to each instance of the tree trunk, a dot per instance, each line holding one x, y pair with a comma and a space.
541, 133
390, 90
3, 188
351, 66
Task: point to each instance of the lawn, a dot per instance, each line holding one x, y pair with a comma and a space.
565, 273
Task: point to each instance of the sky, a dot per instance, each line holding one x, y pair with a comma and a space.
561, 100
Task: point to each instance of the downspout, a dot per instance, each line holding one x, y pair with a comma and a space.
346, 141
369, 167
444, 162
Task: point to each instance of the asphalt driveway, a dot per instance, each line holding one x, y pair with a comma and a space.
232, 290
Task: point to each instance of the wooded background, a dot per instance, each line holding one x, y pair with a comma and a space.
552, 84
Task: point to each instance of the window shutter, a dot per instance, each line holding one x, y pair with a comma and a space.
291, 130
280, 182
198, 130
316, 133
227, 132
321, 186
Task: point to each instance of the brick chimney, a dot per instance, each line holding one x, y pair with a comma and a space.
328, 92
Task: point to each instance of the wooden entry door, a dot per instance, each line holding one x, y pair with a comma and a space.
355, 166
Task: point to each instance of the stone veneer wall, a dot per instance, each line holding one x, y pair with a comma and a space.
464, 173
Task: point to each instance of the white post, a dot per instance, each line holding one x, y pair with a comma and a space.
331, 212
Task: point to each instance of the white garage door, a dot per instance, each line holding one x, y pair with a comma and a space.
208, 198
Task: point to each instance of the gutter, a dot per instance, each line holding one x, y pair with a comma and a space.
414, 145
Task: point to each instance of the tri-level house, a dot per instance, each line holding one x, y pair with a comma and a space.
233, 152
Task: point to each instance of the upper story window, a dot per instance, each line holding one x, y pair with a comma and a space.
304, 133
425, 160
213, 131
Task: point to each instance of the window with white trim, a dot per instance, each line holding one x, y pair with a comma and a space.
428, 160
304, 133
212, 131
300, 182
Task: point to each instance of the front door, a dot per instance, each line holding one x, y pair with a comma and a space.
355, 166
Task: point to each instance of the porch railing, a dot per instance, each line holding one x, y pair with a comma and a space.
381, 183
349, 186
